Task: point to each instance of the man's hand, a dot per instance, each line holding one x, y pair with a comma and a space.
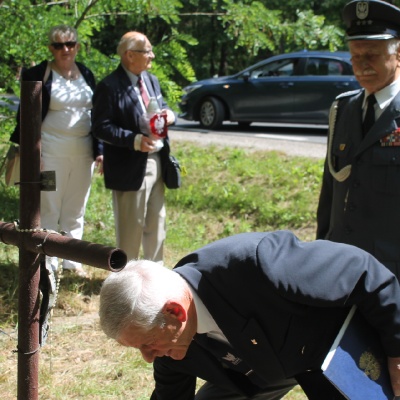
394, 372
170, 116
147, 144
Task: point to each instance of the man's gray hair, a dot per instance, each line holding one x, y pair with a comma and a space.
136, 296
393, 46
129, 41
65, 32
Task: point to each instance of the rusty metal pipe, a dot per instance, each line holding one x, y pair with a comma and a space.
29, 271
54, 244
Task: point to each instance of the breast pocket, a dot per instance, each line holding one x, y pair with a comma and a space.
341, 152
386, 170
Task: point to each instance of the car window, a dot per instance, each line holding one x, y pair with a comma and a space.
324, 66
284, 67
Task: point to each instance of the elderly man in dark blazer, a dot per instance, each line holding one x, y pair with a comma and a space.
360, 195
132, 159
273, 304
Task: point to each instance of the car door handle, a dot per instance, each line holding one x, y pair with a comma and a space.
286, 84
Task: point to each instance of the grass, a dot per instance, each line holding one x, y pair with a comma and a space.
225, 191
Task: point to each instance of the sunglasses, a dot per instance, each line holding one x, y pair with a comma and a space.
60, 46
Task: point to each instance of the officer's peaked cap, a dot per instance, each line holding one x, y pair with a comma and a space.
371, 20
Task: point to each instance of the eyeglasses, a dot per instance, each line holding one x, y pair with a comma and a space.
60, 45
147, 52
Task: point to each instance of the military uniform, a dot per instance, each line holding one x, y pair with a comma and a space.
363, 209
360, 193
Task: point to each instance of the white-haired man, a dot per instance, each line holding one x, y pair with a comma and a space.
133, 161
253, 315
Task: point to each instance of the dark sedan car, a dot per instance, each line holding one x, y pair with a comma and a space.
293, 88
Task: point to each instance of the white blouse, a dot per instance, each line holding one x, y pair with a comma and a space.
66, 127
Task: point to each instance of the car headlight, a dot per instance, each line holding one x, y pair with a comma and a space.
191, 88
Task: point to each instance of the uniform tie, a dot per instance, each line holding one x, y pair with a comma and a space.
143, 92
369, 118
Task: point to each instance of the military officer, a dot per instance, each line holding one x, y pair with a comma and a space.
360, 196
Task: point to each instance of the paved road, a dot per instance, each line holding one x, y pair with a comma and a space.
309, 141
291, 141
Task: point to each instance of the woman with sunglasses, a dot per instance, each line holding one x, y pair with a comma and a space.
67, 145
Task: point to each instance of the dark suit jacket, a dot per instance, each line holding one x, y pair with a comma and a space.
37, 73
364, 209
280, 303
115, 120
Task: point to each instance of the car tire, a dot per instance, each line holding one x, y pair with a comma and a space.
211, 113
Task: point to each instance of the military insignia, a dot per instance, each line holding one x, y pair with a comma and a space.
393, 139
342, 146
362, 9
370, 365
232, 359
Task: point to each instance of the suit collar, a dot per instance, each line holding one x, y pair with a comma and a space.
128, 87
127, 78
385, 96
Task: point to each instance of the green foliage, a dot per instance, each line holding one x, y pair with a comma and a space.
192, 39
230, 181
253, 26
24, 42
235, 34
257, 28
309, 32
7, 124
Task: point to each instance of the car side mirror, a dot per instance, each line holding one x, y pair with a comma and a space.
246, 76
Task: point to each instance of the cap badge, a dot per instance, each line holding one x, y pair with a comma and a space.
362, 9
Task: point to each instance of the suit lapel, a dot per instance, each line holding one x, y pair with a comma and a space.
129, 89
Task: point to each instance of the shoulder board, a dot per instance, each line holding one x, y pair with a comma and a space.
348, 94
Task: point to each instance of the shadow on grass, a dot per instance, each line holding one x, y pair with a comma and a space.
70, 285
77, 284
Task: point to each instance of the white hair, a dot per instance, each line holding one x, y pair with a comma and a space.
136, 295
393, 46
130, 41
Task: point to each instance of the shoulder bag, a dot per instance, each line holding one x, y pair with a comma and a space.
172, 173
